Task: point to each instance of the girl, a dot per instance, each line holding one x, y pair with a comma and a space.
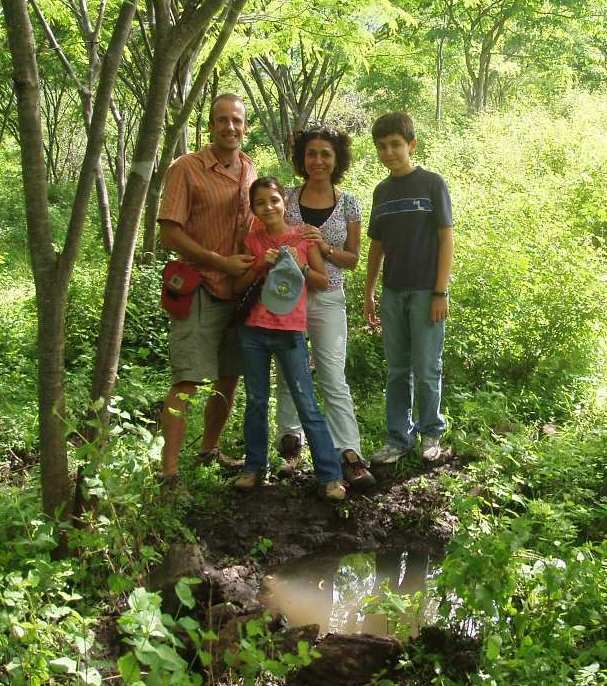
265, 334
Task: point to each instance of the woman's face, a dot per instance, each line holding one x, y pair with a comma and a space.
268, 205
319, 159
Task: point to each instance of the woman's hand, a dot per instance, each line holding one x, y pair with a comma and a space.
271, 256
311, 233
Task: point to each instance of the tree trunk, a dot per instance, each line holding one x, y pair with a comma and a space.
52, 271
105, 215
120, 159
438, 111
50, 300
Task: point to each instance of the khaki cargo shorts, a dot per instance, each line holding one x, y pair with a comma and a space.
202, 347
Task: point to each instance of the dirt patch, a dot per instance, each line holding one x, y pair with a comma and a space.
298, 522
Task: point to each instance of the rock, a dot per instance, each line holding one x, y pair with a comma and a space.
349, 660
236, 584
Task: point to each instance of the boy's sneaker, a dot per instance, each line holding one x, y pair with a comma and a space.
356, 472
334, 490
225, 461
431, 449
289, 448
389, 454
246, 481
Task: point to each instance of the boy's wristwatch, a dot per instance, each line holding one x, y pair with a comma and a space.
440, 294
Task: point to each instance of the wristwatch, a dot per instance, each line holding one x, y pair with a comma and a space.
440, 294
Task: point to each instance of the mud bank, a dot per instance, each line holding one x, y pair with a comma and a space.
400, 513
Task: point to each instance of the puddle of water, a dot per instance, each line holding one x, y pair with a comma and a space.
331, 590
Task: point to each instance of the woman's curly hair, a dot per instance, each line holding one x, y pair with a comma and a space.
340, 142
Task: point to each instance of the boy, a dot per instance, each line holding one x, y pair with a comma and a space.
411, 235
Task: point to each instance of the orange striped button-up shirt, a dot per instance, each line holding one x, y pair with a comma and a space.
211, 204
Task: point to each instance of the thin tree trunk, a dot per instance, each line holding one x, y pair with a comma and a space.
52, 271
438, 111
105, 214
56, 486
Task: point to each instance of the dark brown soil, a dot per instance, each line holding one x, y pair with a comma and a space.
298, 522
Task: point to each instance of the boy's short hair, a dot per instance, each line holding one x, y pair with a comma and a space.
394, 122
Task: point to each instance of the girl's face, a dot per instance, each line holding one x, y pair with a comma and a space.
268, 205
319, 159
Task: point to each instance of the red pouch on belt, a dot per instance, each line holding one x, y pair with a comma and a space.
179, 283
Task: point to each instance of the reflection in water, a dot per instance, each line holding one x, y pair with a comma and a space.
330, 591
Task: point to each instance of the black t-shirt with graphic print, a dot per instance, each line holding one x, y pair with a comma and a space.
406, 215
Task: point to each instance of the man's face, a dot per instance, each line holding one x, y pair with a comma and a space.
228, 125
394, 152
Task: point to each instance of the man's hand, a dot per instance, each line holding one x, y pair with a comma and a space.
439, 310
236, 265
369, 312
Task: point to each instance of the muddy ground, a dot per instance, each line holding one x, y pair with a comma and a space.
407, 510
400, 512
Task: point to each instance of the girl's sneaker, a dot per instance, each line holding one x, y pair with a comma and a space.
246, 481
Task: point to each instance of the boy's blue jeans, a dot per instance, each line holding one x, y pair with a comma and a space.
258, 346
413, 346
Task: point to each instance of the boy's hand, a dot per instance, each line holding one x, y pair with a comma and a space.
369, 312
439, 310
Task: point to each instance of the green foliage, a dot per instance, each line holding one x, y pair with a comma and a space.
527, 568
395, 606
157, 640
160, 641
261, 548
43, 630
258, 654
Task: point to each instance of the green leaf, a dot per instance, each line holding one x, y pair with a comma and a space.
117, 583
63, 665
188, 623
494, 644
129, 669
182, 589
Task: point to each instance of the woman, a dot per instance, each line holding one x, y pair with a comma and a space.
322, 156
275, 326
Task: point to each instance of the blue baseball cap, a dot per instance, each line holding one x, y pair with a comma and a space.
283, 285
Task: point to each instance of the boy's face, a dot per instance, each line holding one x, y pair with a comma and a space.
394, 152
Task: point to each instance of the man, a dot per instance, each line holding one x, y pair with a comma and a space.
204, 217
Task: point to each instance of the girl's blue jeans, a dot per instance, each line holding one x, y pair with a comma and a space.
413, 346
258, 345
